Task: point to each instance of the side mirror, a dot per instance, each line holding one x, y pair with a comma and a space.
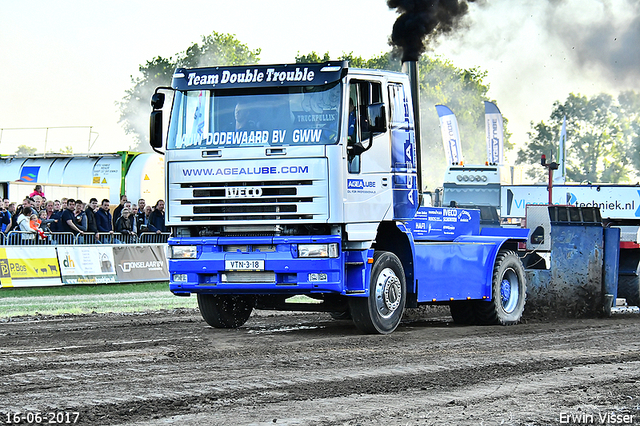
155, 129
157, 100
377, 118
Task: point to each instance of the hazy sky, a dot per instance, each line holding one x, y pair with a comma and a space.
67, 63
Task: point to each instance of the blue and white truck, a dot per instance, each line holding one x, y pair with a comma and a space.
304, 179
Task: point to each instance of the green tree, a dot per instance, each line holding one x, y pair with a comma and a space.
440, 83
602, 138
215, 49
25, 150
629, 103
135, 106
464, 92
312, 58
67, 150
386, 61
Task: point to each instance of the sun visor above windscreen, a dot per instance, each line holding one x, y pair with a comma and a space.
258, 76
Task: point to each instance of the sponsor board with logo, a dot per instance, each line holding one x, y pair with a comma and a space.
29, 267
87, 265
59, 265
141, 263
614, 201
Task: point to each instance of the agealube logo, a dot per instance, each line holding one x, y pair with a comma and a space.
360, 184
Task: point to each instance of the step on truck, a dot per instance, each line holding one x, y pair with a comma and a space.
295, 180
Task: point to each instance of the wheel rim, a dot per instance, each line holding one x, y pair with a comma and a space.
509, 290
388, 292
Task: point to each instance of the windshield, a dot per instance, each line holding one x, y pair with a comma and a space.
260, 117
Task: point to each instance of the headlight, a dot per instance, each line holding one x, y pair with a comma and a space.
318, 250
183, 252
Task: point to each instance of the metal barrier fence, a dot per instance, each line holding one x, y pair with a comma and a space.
24, 238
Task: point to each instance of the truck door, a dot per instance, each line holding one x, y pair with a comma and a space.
368, 193
403, 153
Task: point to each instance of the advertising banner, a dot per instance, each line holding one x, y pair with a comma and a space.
87, 265
141, 263
29, 267
495, 133
614, 201
450, 135
559, 177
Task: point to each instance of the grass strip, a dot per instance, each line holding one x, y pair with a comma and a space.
83, 289
86, 299
100, 298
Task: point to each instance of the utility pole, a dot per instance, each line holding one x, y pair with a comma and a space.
551, 166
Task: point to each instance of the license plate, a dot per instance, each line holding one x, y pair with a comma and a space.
244, 265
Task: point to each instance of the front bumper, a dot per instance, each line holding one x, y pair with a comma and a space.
281, 270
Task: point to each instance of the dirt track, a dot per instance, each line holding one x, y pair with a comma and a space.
307, 369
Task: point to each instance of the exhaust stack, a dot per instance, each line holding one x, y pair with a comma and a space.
411, 68
419, 19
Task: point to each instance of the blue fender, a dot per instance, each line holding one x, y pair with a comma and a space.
461, 269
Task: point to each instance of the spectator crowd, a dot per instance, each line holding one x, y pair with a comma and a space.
37, 217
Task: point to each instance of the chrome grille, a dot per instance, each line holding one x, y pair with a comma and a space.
248, 277
287, 200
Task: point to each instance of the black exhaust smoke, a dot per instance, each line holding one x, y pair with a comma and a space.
421, 18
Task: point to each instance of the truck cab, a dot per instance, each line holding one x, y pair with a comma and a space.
299, 179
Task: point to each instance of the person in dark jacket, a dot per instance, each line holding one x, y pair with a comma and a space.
57, 216
104, 218
124, 224
90, 211
146, 221
5, 215
13, 217
80, 217
156, 218
140, 215
118, 210
68, 221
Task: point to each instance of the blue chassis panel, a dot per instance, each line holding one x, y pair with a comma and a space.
444, 271
451, 260
457, 270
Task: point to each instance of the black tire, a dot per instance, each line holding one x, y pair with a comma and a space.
629, 289
509, 292
463, 312
382, 310
225, 310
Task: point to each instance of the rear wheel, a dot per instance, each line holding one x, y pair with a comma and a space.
381, 311
225, 310
509, 289
629, 289
629, 276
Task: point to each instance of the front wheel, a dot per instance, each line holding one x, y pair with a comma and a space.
509, 292
225, 310
382, 310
